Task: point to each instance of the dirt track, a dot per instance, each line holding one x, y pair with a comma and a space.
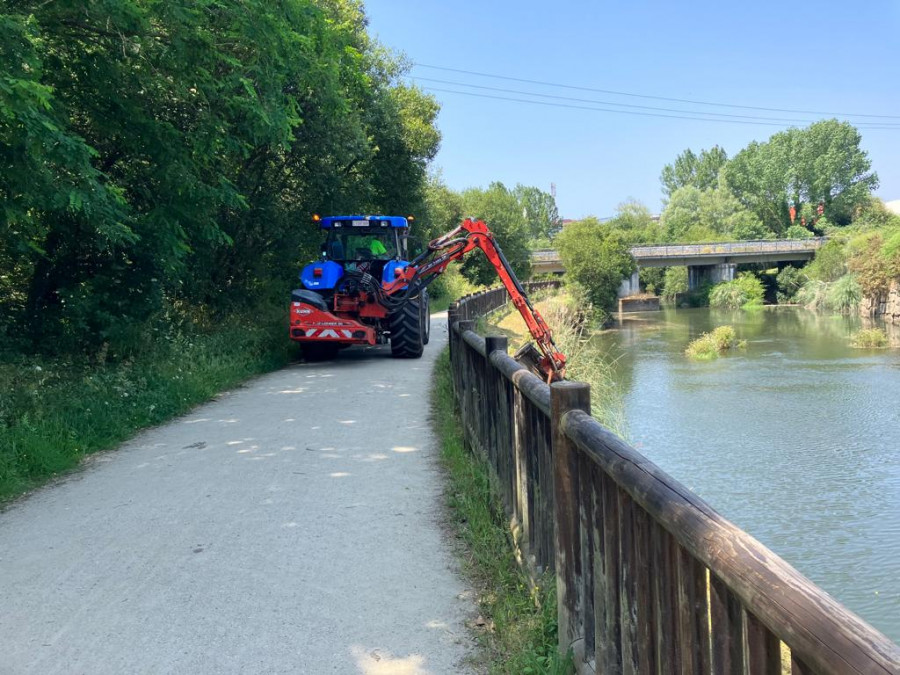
292, 526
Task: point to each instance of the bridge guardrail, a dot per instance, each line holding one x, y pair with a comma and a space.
650, 577
727, 248
710, 248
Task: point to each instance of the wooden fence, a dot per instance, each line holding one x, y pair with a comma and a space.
650, 578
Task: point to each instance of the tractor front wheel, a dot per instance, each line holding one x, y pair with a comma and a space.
407, 334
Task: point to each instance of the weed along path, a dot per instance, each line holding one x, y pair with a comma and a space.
292, 526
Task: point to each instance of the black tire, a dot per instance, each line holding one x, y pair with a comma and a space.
406, 330
426, 318
320, 351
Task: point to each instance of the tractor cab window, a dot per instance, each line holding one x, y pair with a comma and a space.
361, 245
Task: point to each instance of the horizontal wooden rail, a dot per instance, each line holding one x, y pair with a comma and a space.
650, 578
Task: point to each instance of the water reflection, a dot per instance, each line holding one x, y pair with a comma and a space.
795, 438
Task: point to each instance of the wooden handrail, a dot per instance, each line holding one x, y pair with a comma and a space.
650, 577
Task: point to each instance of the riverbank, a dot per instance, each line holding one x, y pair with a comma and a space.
517, 625
54, 413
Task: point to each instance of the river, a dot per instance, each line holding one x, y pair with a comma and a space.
796, 438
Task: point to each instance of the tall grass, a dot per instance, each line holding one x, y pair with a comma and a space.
711, 345
842, 295
519, 630
53, 413
571, 327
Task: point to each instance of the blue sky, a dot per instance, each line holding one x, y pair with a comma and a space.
819, 56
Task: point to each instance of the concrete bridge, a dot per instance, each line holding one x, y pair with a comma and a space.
712, 262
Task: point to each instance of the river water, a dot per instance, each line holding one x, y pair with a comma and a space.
796, 438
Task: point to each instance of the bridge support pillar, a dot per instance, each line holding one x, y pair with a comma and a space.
631, 285
698, 275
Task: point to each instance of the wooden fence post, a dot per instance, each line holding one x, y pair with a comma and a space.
452, 318
565, 397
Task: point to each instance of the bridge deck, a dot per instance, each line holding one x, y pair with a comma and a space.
670, 255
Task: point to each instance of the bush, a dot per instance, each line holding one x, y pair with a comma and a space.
814, 294
652, 279
789, 281
745, 291
675, 281
450, 286
844, 294
830, 263
798, 232
596, 258
711, 345
870, 338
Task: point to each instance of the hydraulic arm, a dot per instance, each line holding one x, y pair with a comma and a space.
472, 234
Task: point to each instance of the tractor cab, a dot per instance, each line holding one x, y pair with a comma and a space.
365, 243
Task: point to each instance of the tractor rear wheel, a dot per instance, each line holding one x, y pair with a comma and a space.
407, 335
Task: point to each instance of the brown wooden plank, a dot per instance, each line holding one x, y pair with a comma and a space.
799, 667
693, 615
609, 644
600, 592
564, 398
646, 644
588, 473
727, 635
628, 585
763, 656
662, 554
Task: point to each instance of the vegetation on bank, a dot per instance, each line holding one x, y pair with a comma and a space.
571, 325
517, 626
713, 344
55, 412
744, 292
858, 262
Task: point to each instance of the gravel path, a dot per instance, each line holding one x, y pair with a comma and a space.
292, 526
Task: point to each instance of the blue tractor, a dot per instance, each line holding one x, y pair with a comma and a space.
356, 293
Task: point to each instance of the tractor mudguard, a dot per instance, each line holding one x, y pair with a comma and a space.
320, 276
390, 272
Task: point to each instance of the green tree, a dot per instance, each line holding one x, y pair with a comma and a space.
161, 155
821, 164
596, 258
498, 207
539, 210
709, 215
699, 171
675, 281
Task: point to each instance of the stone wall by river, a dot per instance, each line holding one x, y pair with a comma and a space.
886, 306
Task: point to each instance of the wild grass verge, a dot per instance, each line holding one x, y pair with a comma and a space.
519, 622
55, 412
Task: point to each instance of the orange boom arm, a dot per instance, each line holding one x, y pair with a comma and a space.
472, 234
